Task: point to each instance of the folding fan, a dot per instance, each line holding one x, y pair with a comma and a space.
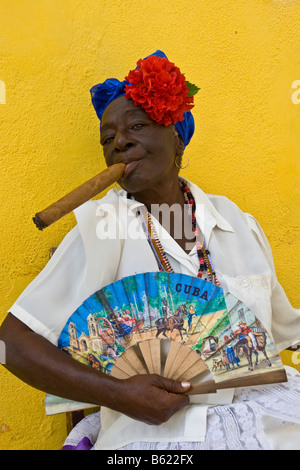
125, 328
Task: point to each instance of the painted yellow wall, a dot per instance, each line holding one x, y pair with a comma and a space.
245, 57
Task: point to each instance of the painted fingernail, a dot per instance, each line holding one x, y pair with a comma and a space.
185, 384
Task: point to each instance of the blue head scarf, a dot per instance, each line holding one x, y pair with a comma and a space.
104, 93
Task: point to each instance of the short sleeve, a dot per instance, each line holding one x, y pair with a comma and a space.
285, 318
46, 304
81, 265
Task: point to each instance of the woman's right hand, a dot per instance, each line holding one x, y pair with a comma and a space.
151, 398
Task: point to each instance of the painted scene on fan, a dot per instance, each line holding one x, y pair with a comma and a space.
168, 305
240, 345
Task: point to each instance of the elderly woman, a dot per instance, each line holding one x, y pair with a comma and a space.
146, 123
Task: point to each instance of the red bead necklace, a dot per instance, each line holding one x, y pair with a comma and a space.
206, 270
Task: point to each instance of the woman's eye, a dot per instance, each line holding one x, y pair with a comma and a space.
108, 140
138, 125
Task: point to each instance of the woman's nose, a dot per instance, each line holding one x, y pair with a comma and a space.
123, 141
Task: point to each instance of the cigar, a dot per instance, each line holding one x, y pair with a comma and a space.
78, 196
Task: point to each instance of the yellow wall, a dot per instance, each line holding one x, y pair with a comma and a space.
245, 57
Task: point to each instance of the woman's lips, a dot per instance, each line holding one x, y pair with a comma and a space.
129, 168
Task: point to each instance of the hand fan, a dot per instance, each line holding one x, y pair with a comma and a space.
126, 328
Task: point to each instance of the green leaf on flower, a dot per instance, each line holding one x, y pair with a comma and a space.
193, 89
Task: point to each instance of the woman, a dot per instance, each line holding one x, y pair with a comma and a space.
147, 125
190, 317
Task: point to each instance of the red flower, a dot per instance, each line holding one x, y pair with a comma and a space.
159, 87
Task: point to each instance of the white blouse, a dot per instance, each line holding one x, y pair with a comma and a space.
108, 243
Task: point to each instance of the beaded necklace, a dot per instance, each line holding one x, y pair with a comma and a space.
206, 270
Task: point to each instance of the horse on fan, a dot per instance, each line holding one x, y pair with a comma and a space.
246, 344
173, 322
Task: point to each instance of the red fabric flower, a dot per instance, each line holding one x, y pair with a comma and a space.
159, 87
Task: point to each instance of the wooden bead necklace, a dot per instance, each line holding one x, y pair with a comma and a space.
206, 270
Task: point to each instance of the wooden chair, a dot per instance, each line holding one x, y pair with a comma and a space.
73, 418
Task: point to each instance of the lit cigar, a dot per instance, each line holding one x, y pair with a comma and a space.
79, 196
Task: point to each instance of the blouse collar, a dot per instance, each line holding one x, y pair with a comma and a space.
207, 215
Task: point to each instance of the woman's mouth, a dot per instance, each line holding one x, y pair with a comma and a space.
129, 168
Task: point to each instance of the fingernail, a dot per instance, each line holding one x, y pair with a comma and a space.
185, 384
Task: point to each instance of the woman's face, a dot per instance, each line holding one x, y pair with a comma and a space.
149, 149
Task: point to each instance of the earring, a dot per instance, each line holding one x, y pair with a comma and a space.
188, 161
179, 164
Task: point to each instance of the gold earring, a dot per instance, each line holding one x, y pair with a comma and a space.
179, 166
188, 162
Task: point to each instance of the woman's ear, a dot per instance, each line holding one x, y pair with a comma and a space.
179, 145
180, 149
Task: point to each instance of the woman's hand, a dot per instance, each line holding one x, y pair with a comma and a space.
151, 398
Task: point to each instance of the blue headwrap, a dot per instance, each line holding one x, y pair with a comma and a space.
104, 93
